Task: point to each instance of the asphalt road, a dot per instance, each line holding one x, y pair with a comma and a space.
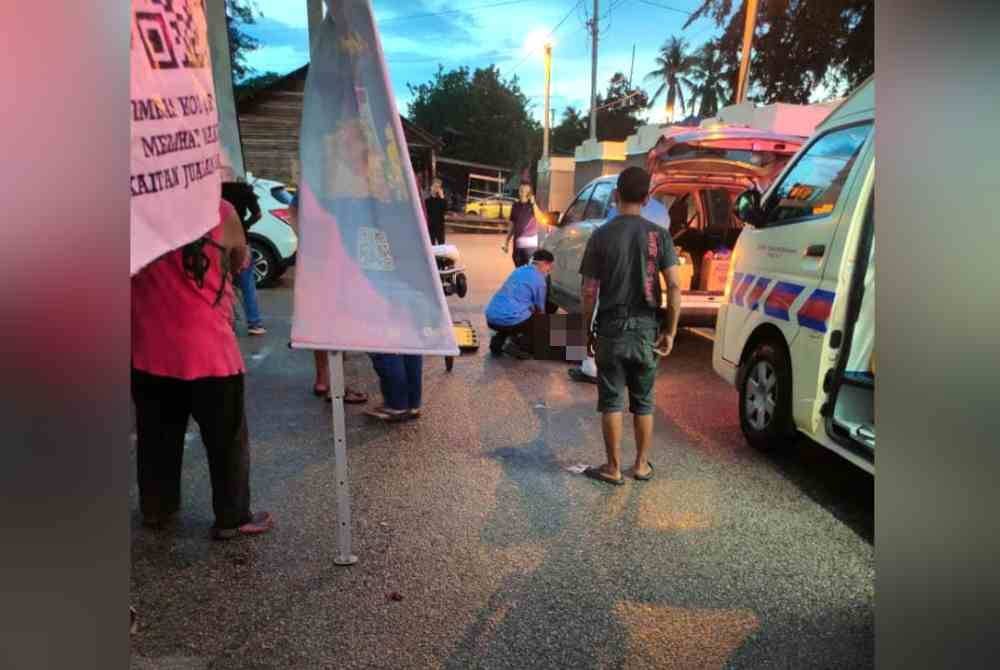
502, 558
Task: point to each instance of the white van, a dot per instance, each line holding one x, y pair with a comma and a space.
796, 332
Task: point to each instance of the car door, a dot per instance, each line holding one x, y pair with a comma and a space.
565, 271
782, 262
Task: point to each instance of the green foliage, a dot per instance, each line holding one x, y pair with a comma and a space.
481, 116
571, 131
619, 108
251, 85
674, 65
798, 45
711, 78
241, 13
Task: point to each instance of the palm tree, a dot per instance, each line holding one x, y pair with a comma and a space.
674, 63
711, 77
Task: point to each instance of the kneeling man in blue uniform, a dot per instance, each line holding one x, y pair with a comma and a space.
518, 300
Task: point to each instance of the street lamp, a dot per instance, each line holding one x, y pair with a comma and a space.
541, 39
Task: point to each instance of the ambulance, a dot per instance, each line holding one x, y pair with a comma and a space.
796, 331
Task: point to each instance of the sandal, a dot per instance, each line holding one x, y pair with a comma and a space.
351, 397
320, 391
646, 477
598, 475
388, 415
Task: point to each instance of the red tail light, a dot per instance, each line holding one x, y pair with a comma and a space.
283, 215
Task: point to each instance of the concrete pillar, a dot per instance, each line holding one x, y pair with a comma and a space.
222, 73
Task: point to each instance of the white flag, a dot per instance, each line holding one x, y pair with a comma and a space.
365, 277
174, 125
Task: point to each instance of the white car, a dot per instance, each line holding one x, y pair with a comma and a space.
273, 243
696, 176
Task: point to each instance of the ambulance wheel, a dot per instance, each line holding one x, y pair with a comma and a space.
461, 285
766, 398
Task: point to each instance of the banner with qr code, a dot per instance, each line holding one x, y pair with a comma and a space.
174, 179
365, 279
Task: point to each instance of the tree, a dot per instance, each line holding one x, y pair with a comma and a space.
241, 13
618, 110
710, 74
674, 64
799, 45
571, 131
482, 116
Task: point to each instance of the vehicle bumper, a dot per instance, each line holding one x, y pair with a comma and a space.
290, 261
722, 367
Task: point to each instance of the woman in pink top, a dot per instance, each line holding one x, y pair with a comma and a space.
186, 362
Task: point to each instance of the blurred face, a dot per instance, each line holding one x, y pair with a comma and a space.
545, 267
437, 188
524, 192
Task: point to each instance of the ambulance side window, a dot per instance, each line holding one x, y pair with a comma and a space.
813, 185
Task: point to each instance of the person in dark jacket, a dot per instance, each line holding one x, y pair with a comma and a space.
435, 206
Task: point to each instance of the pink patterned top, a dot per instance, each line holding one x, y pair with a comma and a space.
178, 330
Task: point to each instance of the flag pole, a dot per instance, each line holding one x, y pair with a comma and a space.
344, 555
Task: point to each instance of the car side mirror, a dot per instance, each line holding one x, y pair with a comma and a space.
747, 207
552, 218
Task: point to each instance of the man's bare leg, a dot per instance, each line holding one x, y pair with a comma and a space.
643, 425
611, 426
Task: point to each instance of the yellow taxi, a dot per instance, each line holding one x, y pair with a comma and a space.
490, 208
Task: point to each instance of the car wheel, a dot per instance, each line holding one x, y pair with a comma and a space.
765, 385
461, 285
472, 213
264, 264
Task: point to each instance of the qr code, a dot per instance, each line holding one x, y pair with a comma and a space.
373, 251
174, 33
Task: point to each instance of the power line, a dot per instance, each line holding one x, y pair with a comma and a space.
452, 11
666, 7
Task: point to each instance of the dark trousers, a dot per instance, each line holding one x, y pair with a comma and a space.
522, 255
437, 233
162, 406
521, 332
400, 379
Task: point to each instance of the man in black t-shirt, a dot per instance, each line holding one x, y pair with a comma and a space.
623, 266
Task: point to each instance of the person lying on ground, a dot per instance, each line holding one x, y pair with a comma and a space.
510, 310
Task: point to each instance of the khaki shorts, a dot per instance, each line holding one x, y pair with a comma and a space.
626, 360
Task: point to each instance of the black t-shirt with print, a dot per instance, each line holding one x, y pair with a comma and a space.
626, 255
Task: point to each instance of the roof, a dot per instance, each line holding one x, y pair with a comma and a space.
478, 166
412, 131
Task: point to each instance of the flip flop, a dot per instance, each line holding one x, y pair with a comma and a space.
578, 375
598, 476
645, 478
388, 416
320, 391
352, 398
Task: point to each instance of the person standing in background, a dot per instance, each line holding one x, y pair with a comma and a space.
524, 218
434, 207
241, 196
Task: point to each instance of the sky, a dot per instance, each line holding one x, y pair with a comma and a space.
488, 32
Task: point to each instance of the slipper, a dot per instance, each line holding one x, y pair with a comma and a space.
645, 478
352, 398
597, 475
577, 375
388, 415
320, 391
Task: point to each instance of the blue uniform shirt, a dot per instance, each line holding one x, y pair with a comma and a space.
524, 289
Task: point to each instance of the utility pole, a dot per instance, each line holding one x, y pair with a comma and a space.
548, 88
748, 30
631, 69
594, 27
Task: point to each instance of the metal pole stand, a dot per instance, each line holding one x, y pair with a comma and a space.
344, 555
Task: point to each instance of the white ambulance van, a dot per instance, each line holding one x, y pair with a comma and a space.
796, 331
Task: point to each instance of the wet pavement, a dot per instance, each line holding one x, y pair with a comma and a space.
479, 550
